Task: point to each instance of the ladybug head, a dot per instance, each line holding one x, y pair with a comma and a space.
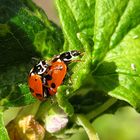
40, 68
68, 56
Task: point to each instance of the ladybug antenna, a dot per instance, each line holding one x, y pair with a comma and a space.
35, 59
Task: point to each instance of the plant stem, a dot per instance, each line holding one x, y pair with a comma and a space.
43, 109
101, 109
82, 120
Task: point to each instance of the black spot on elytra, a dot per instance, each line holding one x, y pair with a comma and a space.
53, 85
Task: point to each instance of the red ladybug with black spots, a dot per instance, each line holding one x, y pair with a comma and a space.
46, 76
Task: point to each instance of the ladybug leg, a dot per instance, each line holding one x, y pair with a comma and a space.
45, 79
46, 92
52, 89
46, 86
49, 88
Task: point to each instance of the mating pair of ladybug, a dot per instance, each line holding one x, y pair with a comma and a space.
46, 76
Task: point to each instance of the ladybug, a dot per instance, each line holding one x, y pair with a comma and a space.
66, 57
36, 80
45, 77
58, 69
57, 73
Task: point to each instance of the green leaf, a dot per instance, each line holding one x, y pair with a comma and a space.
107, 16
63, 101
13, 111
123, 125
25, 32
13, 87
118, 74
76, 17
129, 20
3, 131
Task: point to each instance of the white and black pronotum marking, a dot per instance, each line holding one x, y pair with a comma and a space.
66, 57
